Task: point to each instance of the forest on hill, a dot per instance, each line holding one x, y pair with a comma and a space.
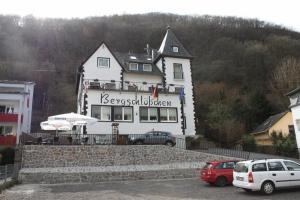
237, 69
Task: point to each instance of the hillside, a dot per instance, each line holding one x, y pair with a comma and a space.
232, 69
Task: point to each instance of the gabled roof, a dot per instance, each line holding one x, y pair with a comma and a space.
267, 124
294, 91
126, 58
169, 41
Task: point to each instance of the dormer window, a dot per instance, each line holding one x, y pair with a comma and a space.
103, 62
175, 49
133, 66
147, 67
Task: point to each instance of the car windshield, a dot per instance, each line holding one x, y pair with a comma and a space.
241, 167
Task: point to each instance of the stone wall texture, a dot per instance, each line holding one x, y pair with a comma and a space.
89, 164
41, 156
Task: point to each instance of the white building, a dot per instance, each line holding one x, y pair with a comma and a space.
295, 108
118, 87
15, 107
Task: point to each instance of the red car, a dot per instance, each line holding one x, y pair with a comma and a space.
219, 173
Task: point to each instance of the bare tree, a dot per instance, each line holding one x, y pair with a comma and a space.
285, 77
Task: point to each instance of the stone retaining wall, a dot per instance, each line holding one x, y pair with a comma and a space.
112, 173
41, 156
81, 164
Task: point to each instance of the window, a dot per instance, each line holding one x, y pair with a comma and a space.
133, 66
102, 113
298, 124
147, 67
103, 62
168, 114
128, 114
226, 165
6, 130
275, 166
143, 114
175, 49
292, 166
152, 114
148, 114
2, 109
122, 113
118, 116
163, 115
178, 73
260, 167
119, 113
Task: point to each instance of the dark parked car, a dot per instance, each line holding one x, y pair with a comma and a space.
153, 137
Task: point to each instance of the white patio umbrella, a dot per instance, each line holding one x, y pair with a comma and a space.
56, 125
74, 118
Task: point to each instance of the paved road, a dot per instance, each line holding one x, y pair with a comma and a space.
140, 190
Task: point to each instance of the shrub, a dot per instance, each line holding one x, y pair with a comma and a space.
249, 143
7, 155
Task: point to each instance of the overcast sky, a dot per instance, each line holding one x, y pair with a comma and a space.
282, 12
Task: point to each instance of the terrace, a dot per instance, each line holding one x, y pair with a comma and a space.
96, 84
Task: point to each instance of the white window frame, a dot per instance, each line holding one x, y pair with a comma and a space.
123, 114
101, 106
159, 115
147, 65
175, 49
131, 67
182, 76
148, 109
168, 115
99, 62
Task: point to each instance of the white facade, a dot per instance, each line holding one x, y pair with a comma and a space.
115, 87
295, 108
16, 99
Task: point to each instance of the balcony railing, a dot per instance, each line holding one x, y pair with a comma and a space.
130, 86
8, 140
8, 117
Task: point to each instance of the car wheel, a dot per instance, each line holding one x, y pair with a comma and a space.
267, 188
221, 181
169, 144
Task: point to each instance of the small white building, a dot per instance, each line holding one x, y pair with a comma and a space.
15, 108
294, 96
120, 87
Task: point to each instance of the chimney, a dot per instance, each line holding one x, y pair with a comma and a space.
148, 49
153, 54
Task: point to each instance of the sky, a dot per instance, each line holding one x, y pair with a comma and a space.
280, 12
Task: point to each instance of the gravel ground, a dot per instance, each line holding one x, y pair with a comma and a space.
140, 190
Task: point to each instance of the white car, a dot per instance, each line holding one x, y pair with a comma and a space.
266, 175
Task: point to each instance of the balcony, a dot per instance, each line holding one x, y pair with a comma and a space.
9, 140
130, 86
8, 117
